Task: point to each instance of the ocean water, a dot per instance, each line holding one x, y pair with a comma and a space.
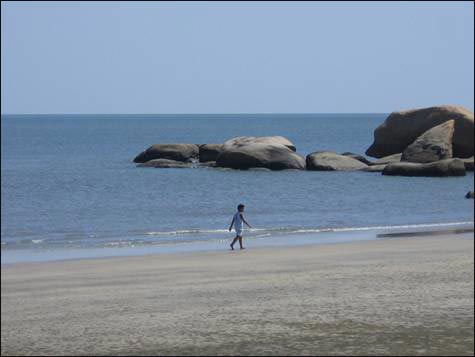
69, 187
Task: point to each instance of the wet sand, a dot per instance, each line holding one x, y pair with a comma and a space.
393, 296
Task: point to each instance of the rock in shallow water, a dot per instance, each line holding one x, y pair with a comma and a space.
331, 161
434, 145
177, 152
374, 168
469, 163
210, 152
165, 164
358, 157
254, 155
207, 164
267, 140
401, 129
388, 159
449, 167
470, 194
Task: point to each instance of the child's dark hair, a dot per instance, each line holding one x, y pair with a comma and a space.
240, 206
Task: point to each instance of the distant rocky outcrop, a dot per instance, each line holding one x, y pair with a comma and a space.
165, 163
401, 129
331, 161
176, 152
435, 141
274, 153
470, 194
434, 145
209, 152
449, 167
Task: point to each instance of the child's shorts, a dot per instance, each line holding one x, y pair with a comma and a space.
238, 232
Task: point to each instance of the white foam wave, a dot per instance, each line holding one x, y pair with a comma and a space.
267, 231
187, 231
371, 228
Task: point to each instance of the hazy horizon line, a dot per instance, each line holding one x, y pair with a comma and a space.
240, 113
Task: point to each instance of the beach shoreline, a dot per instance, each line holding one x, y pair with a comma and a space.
410, 295
300, 237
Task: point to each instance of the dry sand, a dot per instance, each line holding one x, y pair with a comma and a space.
399, 296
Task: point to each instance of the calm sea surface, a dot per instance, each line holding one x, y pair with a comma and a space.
68, 184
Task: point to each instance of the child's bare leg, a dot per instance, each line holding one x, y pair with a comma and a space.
234, 241
240, 242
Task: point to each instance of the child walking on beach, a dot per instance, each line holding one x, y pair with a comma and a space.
237, 221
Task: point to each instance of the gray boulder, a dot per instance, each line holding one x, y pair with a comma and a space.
468, 163
470, 194
434, 145
358, 157
165, 164
177, 152
374, 168
331, 161
449, 167
268, 140
401, 129
389, 159
250, 152
209, 152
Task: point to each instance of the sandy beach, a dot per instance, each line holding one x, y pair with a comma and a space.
392, 296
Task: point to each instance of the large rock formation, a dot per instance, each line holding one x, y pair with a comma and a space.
165, 163
177, 152
434, 145
253, 152
331, 161
210, 152
449, 167
401, 129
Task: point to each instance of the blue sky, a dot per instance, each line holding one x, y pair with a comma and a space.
243, 57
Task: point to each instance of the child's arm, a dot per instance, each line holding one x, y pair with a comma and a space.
231, 226
242, 217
